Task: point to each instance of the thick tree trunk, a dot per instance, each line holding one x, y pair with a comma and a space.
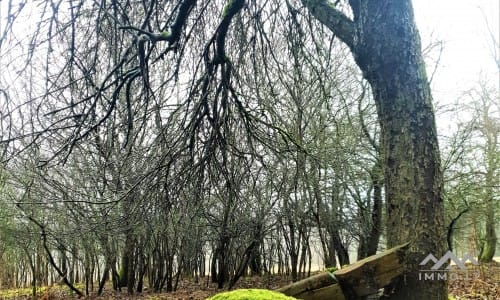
390, 56
386, 46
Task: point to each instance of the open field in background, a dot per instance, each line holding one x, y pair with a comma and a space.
485, 287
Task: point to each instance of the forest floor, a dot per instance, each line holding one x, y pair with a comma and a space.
481, 283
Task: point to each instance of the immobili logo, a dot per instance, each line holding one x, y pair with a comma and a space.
437, 272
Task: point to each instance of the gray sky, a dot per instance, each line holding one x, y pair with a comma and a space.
467, 52
461, 25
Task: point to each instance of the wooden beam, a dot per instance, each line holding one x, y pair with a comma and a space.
362, 278
322, 286
367, 276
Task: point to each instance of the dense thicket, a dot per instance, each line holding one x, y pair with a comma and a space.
147, 141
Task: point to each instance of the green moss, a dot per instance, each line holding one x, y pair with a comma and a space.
122, 277
250, 294
331, 269
227, 7
165, 34
232, 7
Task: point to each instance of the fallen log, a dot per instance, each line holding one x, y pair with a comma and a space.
362, 278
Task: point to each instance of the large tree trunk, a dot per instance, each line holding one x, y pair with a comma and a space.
390, 56
386, 46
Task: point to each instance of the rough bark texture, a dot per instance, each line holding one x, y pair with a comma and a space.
386, 46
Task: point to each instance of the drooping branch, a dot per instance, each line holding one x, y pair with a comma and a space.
51, 258
180, 20
451, 227
174, 34
230, 10
335, 20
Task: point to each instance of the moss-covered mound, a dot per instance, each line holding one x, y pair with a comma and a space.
250, 294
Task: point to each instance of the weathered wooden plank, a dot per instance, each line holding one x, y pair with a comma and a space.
308, 285
368, 275
362, 278
333, 291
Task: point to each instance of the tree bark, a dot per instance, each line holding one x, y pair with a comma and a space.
489, 244
368, 246
340, 249
386, 45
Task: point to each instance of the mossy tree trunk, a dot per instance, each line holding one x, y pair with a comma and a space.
490, 130
489, 243
386, 46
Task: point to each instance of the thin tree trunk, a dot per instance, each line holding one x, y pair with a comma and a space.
342, 252
368, 246
489, 245
103, 280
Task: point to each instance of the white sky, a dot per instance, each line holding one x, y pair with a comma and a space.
467, 49
461, 25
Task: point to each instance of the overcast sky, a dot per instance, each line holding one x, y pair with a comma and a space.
467, 52
462, 26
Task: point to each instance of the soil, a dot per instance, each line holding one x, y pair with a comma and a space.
477, 283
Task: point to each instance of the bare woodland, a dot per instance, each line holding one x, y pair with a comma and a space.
145, 142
